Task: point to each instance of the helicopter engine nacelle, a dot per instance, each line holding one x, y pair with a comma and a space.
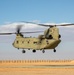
41, 36
47, 34
52, 33
49, 37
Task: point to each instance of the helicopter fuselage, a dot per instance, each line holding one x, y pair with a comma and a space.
49, 40
35, 43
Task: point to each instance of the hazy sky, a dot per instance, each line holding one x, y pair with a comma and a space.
42, 11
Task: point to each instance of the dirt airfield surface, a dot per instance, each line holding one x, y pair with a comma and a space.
37, 67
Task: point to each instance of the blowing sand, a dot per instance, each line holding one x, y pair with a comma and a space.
32, 67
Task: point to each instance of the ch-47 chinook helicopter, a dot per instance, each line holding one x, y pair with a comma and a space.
49, 40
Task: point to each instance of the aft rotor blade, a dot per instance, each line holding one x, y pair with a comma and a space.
38, 24
72, 24
50, 25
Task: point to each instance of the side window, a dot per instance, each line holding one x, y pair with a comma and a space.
17, 41
34, 42
22, 41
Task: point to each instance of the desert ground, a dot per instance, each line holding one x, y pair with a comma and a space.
37, 67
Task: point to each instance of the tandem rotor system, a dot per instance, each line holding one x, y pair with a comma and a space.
49, 40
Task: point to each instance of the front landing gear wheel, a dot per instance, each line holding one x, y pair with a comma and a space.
43, 51
54, 50
23, 51
34, 51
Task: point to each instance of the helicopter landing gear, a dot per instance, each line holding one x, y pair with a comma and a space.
54, 50
43, 51
34, 51
23, 51
18, 48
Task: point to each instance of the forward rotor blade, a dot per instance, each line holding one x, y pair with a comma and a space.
18, 28
6, 33
20, 32
32, 32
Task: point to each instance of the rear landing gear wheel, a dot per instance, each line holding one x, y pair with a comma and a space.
23, 51
43, 51
54, 50
34, 51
